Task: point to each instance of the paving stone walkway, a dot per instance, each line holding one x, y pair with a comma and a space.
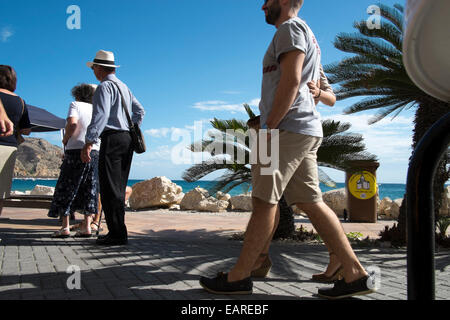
163, 265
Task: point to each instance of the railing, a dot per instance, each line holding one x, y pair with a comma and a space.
420, 208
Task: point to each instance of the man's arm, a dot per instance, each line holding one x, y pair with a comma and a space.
101, 104
322, 91
6, 126
291, 64
138, 111
101, 107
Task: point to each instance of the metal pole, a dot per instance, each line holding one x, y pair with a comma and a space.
420, 210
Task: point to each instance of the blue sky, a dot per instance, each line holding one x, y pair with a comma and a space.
185, 61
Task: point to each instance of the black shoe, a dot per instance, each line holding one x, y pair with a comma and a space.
343, 290
108, 241
220, 285
103, 236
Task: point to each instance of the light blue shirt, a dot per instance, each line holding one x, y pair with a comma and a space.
108, 113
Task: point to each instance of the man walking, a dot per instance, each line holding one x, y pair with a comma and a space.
292, 60
109, 123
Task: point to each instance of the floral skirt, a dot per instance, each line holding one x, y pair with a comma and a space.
77, 187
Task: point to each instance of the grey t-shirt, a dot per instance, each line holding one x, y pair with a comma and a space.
302, 117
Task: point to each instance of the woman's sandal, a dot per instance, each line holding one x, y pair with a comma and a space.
60, 234
264, 269
323, 278
96, 227
76, 227
81, 234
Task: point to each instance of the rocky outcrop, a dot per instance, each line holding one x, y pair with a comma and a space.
223, 196
336, 200
242, 202
200, 200
42, 191
389, 209
37, 158
157, 192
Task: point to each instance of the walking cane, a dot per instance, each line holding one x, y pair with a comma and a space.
99, 222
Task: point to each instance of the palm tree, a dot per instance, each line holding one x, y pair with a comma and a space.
376, 72
231, 138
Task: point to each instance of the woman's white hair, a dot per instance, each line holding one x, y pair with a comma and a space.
296, 4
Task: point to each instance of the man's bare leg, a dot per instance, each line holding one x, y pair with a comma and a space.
258, 234
265, 252
330, 230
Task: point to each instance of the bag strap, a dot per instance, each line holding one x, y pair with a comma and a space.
23, 107
130, 122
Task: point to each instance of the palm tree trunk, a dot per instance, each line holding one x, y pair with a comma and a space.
286, 227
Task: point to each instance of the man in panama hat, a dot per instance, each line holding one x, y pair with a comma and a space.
109, 123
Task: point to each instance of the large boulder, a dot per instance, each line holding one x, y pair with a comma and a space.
223, 196
211, 204
242, 202
157, 192
336, 200
193, 198
200, 200
42, 191
394, 210
384, 205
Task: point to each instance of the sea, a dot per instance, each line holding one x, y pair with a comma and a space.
391, 190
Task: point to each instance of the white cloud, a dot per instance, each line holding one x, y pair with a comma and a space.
217, 105
5, 34
388, 138
254, 102
168, 132
158, 133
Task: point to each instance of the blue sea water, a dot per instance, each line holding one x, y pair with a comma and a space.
393, 191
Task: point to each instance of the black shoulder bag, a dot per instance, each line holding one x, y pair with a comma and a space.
137, 138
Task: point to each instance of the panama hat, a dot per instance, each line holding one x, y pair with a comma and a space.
103, 58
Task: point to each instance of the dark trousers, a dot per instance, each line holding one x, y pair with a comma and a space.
115, 159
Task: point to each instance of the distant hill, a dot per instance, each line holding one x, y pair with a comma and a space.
37, 158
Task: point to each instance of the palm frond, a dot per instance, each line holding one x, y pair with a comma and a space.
394, 15
387, 32
249, 111
326, 180
201, 170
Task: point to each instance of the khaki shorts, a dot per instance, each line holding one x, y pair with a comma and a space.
7, 163
297, 176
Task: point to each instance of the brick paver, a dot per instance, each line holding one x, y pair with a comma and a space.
162, 264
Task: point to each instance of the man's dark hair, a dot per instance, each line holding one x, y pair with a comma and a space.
108, 69
8, 78
83, 93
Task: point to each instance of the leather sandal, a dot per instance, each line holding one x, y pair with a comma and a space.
264, 269
81, 234
96, 227
60, 235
